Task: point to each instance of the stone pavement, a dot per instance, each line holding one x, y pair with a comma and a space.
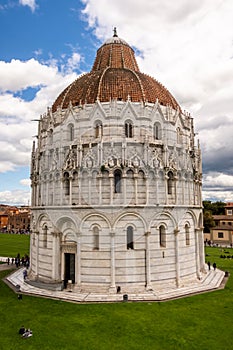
210, 281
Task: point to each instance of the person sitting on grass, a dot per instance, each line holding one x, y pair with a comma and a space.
22, 330
27, 333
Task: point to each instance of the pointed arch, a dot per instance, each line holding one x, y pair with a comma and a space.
130, 238
117, 181
128, 129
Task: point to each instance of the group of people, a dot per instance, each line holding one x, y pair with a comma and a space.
214, 265
25, 333
24, 261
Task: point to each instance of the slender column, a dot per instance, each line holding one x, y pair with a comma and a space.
70, 184
175, 188
100, 189
156, 188
183, 189
61, 192
166, 189
37, 254
197, 253
89, 188
62, 265
47, 192
124, 179
148, 270
37, 194
147, 190
201, 249
136, 188
176, 231
111, 179
78, 263
56, 256
80, 189
113, 282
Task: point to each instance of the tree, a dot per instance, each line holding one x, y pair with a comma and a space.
210, 209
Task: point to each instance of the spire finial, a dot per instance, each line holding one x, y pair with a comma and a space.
114, 32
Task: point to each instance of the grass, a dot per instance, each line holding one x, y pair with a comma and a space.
12, 244
200, 322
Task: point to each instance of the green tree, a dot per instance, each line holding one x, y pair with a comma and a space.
210, 209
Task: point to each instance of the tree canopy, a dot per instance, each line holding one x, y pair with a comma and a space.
210, 209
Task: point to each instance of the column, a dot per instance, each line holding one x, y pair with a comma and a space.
100, 189
175, 181
201, 249
136, 188
147, 190
111, 179
156, 187
70, 184
148, 271
78, 263
56, 257
61, 192
37, 254
166, 189
113, 282
124, 179
176, 232
197, 253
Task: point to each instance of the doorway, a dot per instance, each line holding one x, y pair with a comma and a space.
69, 268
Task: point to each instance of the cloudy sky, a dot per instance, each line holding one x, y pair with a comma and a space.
186, 45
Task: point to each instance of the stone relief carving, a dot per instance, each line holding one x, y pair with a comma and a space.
70, 162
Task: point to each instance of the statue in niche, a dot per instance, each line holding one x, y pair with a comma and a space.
70, 161
136, 162
156, 162
111, 162
172, 161
89, 162
55, 160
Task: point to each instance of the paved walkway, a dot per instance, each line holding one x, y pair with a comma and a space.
211, 281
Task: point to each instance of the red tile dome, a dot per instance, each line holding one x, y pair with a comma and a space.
114, 75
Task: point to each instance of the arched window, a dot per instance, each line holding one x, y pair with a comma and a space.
187, 235
117, 181
98, 129
179, 135
170, 182
157, 131
162, 236
96, 238
45, 235
66, 184
50, 137
128, 129
70, 132
130, 243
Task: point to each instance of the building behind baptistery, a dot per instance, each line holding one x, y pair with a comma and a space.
116, 184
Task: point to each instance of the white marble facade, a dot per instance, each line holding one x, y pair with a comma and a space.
116, 198
118, 185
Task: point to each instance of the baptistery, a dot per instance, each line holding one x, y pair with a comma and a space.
116, 181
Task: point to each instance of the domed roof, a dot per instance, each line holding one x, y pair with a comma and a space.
114, 75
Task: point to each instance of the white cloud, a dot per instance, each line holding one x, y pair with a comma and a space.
16, 113
218, 180
16, 197
74, 61
30, 3
25, 182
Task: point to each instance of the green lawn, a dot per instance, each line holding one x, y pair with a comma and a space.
12, 244
199, 322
